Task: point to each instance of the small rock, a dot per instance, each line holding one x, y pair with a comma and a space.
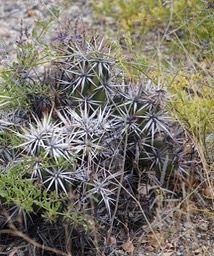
109, 20
150, 248
75, 10
181, 248
187, 236
87, 21
197, 252
204, 226
32, 12
187, 224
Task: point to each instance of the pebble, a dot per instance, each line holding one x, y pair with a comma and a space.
181, 248
75, 10
109, 20
204, 226
187, 225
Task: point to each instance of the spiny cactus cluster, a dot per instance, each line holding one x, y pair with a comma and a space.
82, 131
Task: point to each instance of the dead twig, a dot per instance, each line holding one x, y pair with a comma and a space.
33, 242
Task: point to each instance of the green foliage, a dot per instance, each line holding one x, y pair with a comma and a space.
142, 15
193, 105
18, 190
175, 25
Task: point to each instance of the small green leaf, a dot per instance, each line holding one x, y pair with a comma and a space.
34, 33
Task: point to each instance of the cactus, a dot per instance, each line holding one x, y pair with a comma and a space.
87, 133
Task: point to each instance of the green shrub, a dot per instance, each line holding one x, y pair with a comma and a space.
193, 105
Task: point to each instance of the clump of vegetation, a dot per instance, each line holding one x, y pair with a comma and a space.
79, 141
182, 52
140, 16
193, 103
88, 140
